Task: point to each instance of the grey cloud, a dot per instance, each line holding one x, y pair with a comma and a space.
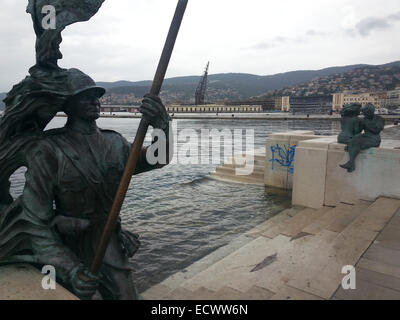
351, 32
395, 16
263, 46
366, 26
314, 33
370, 24
275, 42
282, 39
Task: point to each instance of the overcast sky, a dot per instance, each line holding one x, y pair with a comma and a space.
124, 40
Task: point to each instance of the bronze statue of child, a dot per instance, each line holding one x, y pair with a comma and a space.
350, 122
372, 125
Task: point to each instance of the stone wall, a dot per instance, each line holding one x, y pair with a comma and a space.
309, 165
319, 181
281, 151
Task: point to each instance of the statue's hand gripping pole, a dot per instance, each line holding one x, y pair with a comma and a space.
139, 139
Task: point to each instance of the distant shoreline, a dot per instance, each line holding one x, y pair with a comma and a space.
241, 116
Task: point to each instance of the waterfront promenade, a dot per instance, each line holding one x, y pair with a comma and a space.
300, 253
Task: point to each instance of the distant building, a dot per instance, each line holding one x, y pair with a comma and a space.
311, 104
338, 101
393, 99
377, 99
266, 104
282, 103
319, 104
214, 108
118, 108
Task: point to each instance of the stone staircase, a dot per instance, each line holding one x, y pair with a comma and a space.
228, 171
297, 254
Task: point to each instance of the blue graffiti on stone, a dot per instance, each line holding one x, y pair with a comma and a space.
283, 156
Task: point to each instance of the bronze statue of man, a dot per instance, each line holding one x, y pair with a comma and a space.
72, 177
372, 125
72, 172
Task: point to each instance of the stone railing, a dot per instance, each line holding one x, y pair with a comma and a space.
280, 156
318, 179
309, 165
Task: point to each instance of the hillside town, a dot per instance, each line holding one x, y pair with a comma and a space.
361, 80
384, 101
379, 85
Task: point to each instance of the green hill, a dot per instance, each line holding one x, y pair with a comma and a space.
226, 86
241, 86
361, 79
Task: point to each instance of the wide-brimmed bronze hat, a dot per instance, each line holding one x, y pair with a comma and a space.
79, 82
64, 82
44, 90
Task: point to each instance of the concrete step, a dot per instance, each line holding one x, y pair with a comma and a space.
256, 168
202, 294
235, 276
290, 293
265, 263
337, 218
227, 293
257, 293
179, 291
232, 172
376, 216
178, 294
295, 253
234, 270
259, 159
348, 247
342, 221
293, 226
232, 168
303, 258
300, 256
256, 162
237, 179
274, 221
163, 289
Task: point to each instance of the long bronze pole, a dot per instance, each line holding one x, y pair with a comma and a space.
139, 139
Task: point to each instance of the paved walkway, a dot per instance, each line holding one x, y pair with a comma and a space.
299, 254
391, 132
378, 270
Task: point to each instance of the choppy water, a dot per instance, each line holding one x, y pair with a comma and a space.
181, 213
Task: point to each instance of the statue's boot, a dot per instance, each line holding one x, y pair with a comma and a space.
349, 166
346, 165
